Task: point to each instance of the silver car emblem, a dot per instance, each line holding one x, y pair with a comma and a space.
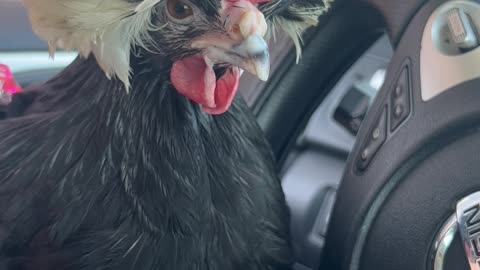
468, 220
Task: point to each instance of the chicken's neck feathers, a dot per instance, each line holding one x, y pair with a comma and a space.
154, 146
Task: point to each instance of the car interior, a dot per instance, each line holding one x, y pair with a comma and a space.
375, 131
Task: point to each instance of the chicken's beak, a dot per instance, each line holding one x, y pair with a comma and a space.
244, 45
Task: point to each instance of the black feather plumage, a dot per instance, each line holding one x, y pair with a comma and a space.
94, 178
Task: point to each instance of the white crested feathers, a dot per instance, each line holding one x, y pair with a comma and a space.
309, 17
111, 28
106, 28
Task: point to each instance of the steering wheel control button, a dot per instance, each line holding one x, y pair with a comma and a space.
365, 154
400, 100
468, 219
378, 136
398, 111
398, 91
462, 31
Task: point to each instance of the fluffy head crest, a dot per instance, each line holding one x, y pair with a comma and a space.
110, 28
298, 17
106, 28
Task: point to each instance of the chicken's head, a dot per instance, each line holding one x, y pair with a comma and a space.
206, 42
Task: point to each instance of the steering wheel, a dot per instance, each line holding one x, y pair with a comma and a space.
410, 195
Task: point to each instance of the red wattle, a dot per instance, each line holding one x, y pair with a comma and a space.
225, 91
194, 78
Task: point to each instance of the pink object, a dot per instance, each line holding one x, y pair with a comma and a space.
7, 82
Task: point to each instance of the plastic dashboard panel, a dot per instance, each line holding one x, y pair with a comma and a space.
322, 128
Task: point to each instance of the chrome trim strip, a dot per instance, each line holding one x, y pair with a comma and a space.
443, 241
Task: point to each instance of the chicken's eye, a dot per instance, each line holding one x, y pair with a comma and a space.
179, 10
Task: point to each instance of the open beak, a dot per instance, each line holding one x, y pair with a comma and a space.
243, 45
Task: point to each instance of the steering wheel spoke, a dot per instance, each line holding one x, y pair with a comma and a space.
409, 197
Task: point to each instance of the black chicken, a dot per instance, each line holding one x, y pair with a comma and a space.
96, 177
